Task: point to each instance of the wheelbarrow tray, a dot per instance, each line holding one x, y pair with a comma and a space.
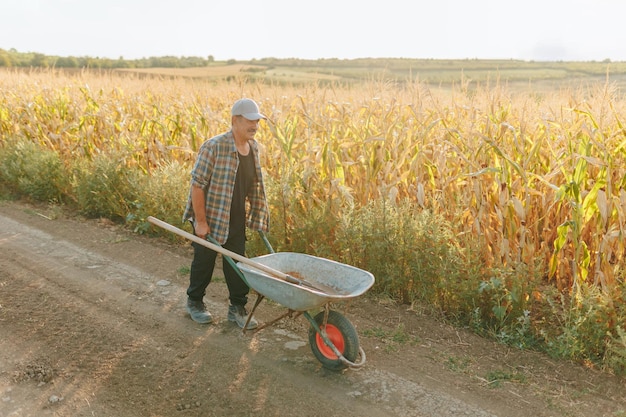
345, 281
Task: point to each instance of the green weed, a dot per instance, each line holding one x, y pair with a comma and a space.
457, 364
391, 338
497, 377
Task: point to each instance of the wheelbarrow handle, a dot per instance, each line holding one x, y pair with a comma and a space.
266, 242
217, 248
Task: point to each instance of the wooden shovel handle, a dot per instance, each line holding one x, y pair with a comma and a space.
217, 248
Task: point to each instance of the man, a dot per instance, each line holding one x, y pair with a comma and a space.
226, 195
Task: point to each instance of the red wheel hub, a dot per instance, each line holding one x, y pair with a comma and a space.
335, 337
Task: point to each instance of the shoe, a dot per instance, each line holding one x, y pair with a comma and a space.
239, 315
198, 312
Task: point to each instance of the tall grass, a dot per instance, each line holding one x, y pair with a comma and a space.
485, 204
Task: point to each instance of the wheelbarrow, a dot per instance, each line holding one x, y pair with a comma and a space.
302, 283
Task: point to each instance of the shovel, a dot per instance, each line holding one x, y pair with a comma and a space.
271, 271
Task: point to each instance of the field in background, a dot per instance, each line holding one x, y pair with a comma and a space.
517, 75
502, 206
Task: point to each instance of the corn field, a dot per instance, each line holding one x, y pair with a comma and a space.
537, 178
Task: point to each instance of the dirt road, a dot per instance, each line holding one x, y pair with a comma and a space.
92, 323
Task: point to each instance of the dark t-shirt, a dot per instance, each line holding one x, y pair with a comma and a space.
244, 181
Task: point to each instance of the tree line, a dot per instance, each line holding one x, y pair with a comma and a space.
13, 58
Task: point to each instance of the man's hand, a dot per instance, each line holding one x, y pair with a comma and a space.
201, 229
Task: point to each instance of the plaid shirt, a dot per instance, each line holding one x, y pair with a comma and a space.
215, 171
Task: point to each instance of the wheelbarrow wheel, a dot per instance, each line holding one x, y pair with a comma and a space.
341, 333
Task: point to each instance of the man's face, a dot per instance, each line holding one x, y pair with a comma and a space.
244, 128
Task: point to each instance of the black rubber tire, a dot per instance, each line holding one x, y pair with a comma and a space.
343, 335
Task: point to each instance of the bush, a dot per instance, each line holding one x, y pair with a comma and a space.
615, 358
163, 194
106, 187
589, 328
411, 252
33, 171
502, 307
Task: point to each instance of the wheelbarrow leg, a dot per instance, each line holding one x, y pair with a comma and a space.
289, 313
259, 298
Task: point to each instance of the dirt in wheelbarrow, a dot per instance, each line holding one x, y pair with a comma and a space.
92, 323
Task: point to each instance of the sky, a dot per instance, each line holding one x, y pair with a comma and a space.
568, 30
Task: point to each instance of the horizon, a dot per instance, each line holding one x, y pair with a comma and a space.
13, 50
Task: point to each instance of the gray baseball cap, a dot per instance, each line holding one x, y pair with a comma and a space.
248, 109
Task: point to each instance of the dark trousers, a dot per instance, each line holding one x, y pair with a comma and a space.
202, 267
